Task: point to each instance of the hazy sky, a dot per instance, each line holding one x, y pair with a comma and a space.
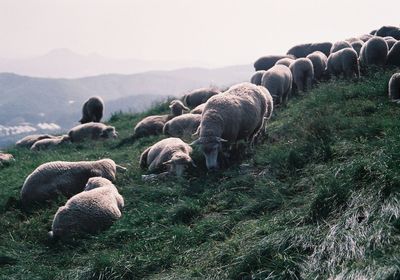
219, 32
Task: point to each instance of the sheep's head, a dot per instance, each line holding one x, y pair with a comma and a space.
178, 163
109, 132
210, 147
177, 107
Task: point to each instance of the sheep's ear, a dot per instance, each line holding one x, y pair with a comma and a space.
221, 140
195, 142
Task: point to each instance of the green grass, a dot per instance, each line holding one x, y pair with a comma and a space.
318, 198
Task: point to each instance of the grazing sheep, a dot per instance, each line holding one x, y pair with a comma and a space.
93, 131
199, 96
266, 62
153, 125
256, 78
29, 140
366, 37
392, 31
182, 126
344, 62
374, 51
45, 144
394, 87
5, 159
199, 109
373, 32
278, 81
390, 42
92, 110
318, 60
60, 177
337, 46
303, 73
91, 211
393, 57
236, 114
285, 61
303, 50
172, 154
357, 45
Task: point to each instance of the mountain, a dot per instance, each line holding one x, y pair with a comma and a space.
64, 63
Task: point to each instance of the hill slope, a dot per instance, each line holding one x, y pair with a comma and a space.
318, 198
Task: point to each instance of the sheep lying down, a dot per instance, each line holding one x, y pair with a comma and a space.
91, 211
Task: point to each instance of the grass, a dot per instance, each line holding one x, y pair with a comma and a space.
319, 198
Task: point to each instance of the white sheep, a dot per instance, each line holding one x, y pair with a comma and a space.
303, 50
91, 211
374, 52
60, 177
303, 73
394, 87
344, 61
92, 110
29, 140
199, 96
5, 159
278, 80
182, 126
337, 46
319, 61
45, 144
199, 109
171, 154
256, 78
266, 62
285, 61
91, 131
393, 57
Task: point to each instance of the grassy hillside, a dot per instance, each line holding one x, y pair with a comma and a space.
318, 198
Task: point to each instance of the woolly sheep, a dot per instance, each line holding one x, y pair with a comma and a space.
303, 73
93, 131
366, 37
318, 60
285, 61
390, 42
374, 51
357, 45
344, 62
171, 153
199, 96
29, 140
92, 110
45, 144
266, 62
153, 125
182, 126
236, 114
5, 159
278, 81
392, 31
393, 57
303, 50
256, 78
91, 211
337, 46
394, 86
61, 177
199, 109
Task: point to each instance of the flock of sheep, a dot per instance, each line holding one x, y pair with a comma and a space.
220, 121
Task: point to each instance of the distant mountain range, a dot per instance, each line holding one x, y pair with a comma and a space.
28, 101
64, 63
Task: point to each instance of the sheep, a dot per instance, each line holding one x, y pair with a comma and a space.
366, 37
199, 96
285, 61
50, 179
394, 87
236, 114
390, 41
357, 45
256, 78
393, 57
303, 50
199, 109
344, 62
303, 73
92, 110
171, 153
93, 131
319, 61
182, 126
153, 125
278, 80
392, 31
45, 144
266, 62
5, 159
374, 51
91, 211
337, 46
29, 140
